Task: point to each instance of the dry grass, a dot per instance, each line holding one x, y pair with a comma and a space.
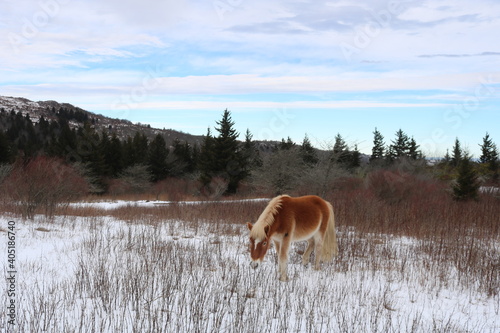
183, 266
458, 238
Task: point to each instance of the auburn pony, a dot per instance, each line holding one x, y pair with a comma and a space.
286, 220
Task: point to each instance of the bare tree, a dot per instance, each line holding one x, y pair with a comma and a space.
281, 171
137, 177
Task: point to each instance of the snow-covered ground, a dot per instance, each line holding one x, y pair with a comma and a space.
100, 274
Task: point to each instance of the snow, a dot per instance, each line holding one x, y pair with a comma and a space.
489, 189
116, 204
102, 274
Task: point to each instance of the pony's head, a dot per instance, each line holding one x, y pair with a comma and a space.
259, 244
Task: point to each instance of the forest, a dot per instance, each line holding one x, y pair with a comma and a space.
98, 163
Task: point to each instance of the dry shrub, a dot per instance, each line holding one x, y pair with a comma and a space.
215, 213
43, 182
118, 187
394, 186
174, 189
417, 205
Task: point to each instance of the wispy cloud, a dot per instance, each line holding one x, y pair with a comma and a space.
482, 54
261, 105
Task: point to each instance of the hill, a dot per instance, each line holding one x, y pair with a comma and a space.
77, 116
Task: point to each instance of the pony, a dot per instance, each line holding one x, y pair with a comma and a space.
286, 220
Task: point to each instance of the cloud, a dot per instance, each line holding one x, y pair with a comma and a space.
482, 54
103, 48
259, 105
245, 84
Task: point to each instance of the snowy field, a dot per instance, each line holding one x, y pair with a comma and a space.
101, 274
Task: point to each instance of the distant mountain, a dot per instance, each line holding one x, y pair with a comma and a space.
123, 128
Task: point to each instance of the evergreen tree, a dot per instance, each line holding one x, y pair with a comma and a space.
456, 157
308, 153
182, 158
354, 158
413, 151
400, 146
141, 144
286, 145
157, 158
114, 156
44, 129
104, 149
90, 153
206, 159
340, 150
250, 154
229, 162
195, 156
378, 146
489, 156
447, 157
467, 185
32, 143
128, 153
135, 150
64, 141
226, 145
5, 155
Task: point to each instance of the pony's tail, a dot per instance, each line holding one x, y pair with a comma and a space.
330, 247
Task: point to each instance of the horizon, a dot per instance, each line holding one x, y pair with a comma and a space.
283, 69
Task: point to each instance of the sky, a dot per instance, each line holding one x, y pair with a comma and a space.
284, 68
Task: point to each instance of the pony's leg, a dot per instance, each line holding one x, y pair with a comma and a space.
278, 247
283, 259
307, 254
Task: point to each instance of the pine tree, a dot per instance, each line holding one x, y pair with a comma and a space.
447, 157
105, 150
229, 162
90, 152
226, 145
157, 158
340, 150
456, 157
354, 158
308, 153
114, 156
141, 144
413, 151
5, 154
206, 159
250, 153
489, 156
286, 145
400, 146
467, 185
378, 146
128, 153
182, 158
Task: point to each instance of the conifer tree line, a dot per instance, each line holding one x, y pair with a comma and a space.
221, 161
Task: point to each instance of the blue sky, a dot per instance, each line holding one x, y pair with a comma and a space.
283, 68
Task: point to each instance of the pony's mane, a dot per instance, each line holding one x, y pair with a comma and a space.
266, 219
